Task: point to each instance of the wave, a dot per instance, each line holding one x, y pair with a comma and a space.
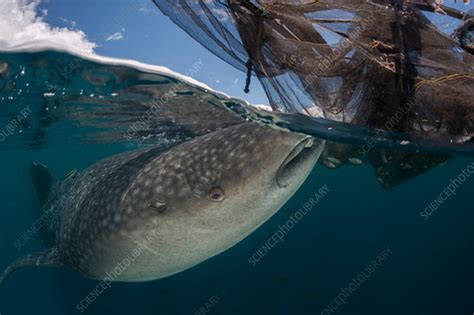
50, 98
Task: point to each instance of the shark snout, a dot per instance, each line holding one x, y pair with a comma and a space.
303, 155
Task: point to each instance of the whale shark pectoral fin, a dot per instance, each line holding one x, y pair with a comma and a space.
42, 182
49, 257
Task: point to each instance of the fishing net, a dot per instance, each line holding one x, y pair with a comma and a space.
380, 63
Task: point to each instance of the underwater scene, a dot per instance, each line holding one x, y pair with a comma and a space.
129, 188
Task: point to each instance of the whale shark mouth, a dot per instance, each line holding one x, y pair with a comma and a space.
301, 152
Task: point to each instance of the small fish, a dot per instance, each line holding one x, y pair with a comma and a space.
355, 161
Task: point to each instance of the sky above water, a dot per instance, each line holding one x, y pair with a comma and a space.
138, 30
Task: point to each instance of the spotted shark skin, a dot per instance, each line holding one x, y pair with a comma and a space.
197, 199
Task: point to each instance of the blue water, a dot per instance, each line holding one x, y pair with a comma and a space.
429, 269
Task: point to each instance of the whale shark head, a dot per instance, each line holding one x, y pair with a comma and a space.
148, 214
200, 198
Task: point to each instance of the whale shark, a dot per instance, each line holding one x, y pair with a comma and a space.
156, 212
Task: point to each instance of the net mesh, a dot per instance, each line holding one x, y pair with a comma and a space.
382, 64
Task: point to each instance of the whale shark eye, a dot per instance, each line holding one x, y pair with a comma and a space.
216, 194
